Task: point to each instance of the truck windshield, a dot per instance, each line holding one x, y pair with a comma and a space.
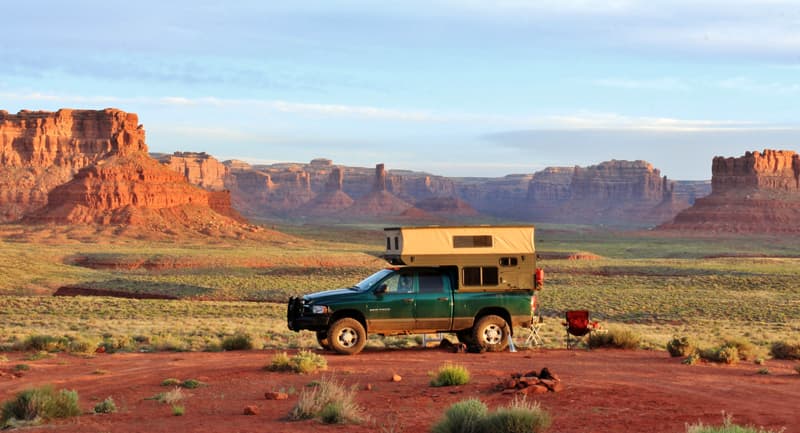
368, 282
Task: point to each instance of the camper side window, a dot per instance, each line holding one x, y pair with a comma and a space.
477, 241
508, 261
481, 276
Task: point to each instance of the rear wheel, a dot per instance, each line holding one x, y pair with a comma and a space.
322, 339
491, 332
347, 336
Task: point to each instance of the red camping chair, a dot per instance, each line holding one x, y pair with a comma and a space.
578, 325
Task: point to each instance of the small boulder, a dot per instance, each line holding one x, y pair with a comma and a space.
274, 395
250, 410
396, 378
535, 389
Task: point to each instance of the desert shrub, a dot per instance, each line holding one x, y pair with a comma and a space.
450, 375
521, 416
47, 343
170, 397
466, 416
303, 362
106, 406
727, 427
785, 350
82, 345
616, 337
111, 344
169, 343
178, 410
35, 356
191, 383
723, 354
328, 398
42, 403
238, 341
680, 346
747, 350
797, 368
691, 359
22, 367
763, 371
170, 382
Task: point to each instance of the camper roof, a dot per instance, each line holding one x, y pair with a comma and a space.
437, 240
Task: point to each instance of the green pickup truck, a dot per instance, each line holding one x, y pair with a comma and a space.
476, 282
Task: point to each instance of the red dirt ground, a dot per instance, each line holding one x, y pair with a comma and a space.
605, 390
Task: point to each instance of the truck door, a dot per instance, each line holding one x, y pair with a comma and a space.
433, 307
393, 309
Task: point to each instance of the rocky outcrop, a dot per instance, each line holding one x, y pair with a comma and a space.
755, 193
379, 202
199, 168
40, 150
332, 201
127, 190
612, 192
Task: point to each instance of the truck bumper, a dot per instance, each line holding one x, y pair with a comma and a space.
299, 317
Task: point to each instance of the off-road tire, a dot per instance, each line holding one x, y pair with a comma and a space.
322, 339
347, 336
491, 332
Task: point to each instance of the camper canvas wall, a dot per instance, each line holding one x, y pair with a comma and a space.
488, 258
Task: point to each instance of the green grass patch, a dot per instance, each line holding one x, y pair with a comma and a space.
472, 416
34, 405
303, 362
450, 375
727, 427
615, 337
106, 406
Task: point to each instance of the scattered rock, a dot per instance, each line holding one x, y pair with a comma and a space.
530, 383
275, 395
250, 410
368, 387
396, 378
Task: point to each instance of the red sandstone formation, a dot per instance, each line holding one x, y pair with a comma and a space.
612, 192
199, 168
40, 150
92, 167
756, 193
379, 202
332, 200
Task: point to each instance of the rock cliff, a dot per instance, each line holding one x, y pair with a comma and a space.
199, 168
755, 193
40, 150
612, 192
92, 167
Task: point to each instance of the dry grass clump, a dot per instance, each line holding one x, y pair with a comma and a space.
727, 427
329, 401
465, 416
106, 406
304, 362
615, 337
35, 405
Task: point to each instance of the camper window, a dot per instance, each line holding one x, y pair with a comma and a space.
481, 276
508, 261
477, 241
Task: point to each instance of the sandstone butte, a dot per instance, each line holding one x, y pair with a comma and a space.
92, 167
755, 193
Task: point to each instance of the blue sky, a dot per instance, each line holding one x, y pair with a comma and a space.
459, 88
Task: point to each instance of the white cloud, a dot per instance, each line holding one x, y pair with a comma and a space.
749, 85
664, 83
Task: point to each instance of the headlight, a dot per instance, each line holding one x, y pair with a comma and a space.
319, 309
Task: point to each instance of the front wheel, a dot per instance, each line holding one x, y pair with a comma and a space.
322, 339
347, 336
491, 332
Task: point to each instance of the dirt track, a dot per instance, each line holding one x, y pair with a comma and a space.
605, 390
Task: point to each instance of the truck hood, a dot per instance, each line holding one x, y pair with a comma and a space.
337, 294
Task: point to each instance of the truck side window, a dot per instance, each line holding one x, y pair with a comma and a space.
472, 276
430, 283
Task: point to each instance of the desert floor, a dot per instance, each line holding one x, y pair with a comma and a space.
605, 390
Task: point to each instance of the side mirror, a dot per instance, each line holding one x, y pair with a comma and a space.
381, 289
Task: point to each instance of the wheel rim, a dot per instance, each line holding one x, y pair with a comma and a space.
493, 334
348, 337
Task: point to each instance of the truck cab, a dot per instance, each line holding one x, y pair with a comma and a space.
438, 282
